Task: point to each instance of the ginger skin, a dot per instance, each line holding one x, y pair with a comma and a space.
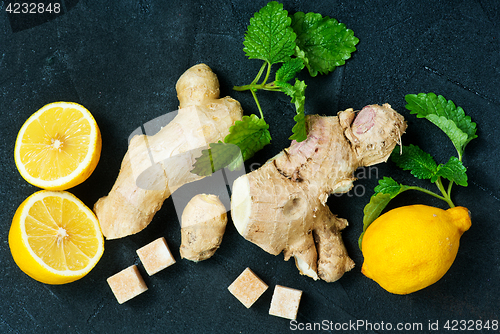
162, 163
281, 206
203, 224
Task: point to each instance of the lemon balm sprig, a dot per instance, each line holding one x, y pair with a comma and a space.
297, 41
287, 44
456, 125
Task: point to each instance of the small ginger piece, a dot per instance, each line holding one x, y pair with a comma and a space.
127, 284
203, 223
247, 287
285, 302
155, 256
155, 166
281, 206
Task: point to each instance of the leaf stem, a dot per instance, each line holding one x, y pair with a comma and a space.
257, 102
446, 195
259, 74
242, 88
449, 188
253, 85
267, 74
271, 87
427, 192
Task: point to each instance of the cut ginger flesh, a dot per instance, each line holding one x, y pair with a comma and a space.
60, 234
55, 143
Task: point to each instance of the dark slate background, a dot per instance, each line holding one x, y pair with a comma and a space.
121, 61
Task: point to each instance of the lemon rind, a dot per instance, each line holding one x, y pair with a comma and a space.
40, 195
68, 181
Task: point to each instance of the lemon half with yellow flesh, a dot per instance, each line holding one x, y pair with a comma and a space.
58, 147
55, 238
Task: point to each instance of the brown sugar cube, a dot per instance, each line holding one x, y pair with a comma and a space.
247, 288
127, 284
285, 302
155, 256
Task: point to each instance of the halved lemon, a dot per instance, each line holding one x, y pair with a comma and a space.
58, 147
55, 238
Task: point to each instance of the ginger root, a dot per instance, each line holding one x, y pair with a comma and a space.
155, 166
281, 206
203, 224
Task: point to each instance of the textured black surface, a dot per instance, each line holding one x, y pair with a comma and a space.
122, 62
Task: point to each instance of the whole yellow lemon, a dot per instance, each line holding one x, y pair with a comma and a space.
412, 247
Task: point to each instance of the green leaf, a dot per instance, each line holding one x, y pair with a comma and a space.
298, 98
289, 69
444, 114
297, 93
285, 87
458, 138
372, 210
390, 187
385, 191
218, 156
302, 55
250, 134
300, 128
453, 171
269, 36
419, 163
325, 42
